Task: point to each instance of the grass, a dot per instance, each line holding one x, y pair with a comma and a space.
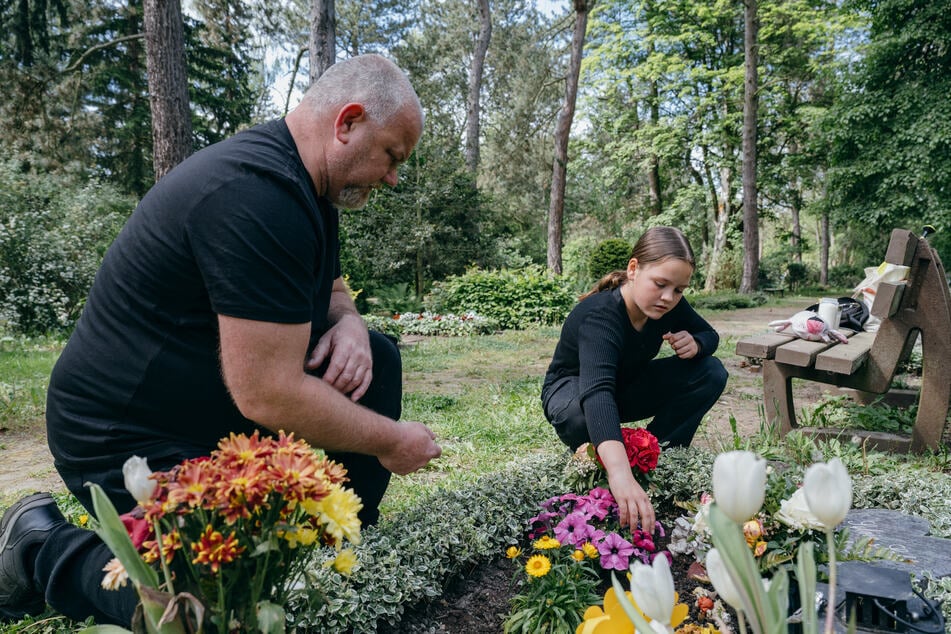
25, 366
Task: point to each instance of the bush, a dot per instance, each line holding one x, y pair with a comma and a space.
52, 239
609, 255
514, 299
727, 301
845, 276
429, 324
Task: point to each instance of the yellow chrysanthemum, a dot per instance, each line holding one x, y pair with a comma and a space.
578, 555
546, 543
590, 550
338, 513
299, 536
83, 519
538, 565
345, 561
512, 552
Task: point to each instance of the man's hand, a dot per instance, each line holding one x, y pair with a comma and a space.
633, 504
346, 347
683, 344
416, 447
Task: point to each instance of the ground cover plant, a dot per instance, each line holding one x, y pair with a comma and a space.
500, 461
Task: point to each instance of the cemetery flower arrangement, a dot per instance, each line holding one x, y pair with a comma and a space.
231, 533
773, 532
586, 471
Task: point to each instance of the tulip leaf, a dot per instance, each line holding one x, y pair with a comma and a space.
737, 559
112, 531
105, 629
640, 623
806, 577
270, 618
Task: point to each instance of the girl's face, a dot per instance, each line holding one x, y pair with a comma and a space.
655, 288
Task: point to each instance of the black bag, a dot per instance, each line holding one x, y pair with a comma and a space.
854, 313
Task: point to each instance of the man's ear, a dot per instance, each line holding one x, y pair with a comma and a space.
347, 116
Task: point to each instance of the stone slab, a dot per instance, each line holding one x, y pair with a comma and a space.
908, 536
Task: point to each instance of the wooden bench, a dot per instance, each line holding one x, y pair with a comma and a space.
919, 306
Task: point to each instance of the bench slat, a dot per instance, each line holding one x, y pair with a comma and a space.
802, 353
846, 358
762, 346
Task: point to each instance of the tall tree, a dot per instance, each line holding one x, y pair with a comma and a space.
168, 84
473, 110
750, 105
556, 207
323, 37
890, 133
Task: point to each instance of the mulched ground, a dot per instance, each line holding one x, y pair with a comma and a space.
478, 601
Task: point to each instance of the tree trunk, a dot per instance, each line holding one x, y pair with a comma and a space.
824, 244
653, 173
556, 208
168, 84
323, 37
750, 102
724, 216
475, 87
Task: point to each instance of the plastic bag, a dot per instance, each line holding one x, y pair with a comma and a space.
806, 324
875, 275
854, 313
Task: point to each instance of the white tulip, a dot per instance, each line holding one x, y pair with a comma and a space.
135, 473
721, 580
828, 490
653, 589
739, 484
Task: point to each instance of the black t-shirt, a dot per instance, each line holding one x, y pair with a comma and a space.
599, 345
237, 229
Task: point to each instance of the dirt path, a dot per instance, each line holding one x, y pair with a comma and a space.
26, 464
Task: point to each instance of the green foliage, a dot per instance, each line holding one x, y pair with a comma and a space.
413, 556
429, 324
513, 298
52, 237
845, 276
727, 301
889, 135
610, 255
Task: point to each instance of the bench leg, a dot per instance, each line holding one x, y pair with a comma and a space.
778, 398
933, 403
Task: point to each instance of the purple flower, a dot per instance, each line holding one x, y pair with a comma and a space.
615, 552
574, 529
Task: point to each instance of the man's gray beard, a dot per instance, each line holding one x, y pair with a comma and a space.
353, 197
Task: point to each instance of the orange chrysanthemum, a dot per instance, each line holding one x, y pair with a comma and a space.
170, 543
241, 450
215, 549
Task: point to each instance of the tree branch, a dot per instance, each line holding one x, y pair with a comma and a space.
97, 47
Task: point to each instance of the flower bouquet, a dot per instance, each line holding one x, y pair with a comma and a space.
231, 534
586, 471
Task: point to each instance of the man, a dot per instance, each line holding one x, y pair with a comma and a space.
220, 308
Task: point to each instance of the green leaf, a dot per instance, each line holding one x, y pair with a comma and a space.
105, 629
806, 577
117, 538
270, 618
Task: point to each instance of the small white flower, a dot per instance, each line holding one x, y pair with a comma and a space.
135, 473
795, 513
828, 490
739, 484
721, 580
653, 589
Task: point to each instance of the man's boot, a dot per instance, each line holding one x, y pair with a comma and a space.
23, 529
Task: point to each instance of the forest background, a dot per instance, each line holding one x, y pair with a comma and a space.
786, 135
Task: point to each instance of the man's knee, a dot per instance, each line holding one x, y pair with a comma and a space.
385, 394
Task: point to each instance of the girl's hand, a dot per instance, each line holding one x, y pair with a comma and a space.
634, 507
683, 344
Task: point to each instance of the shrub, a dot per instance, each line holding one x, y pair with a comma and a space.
429, 324
609, 255
52, 239
845, 276
727, 301
516, 299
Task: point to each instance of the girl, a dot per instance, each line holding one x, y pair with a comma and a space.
603, 371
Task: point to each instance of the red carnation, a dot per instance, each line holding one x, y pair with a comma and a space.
642, 447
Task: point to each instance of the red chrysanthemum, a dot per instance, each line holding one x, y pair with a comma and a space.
215, 549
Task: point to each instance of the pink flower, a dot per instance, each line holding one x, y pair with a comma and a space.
615, 552
574, 529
